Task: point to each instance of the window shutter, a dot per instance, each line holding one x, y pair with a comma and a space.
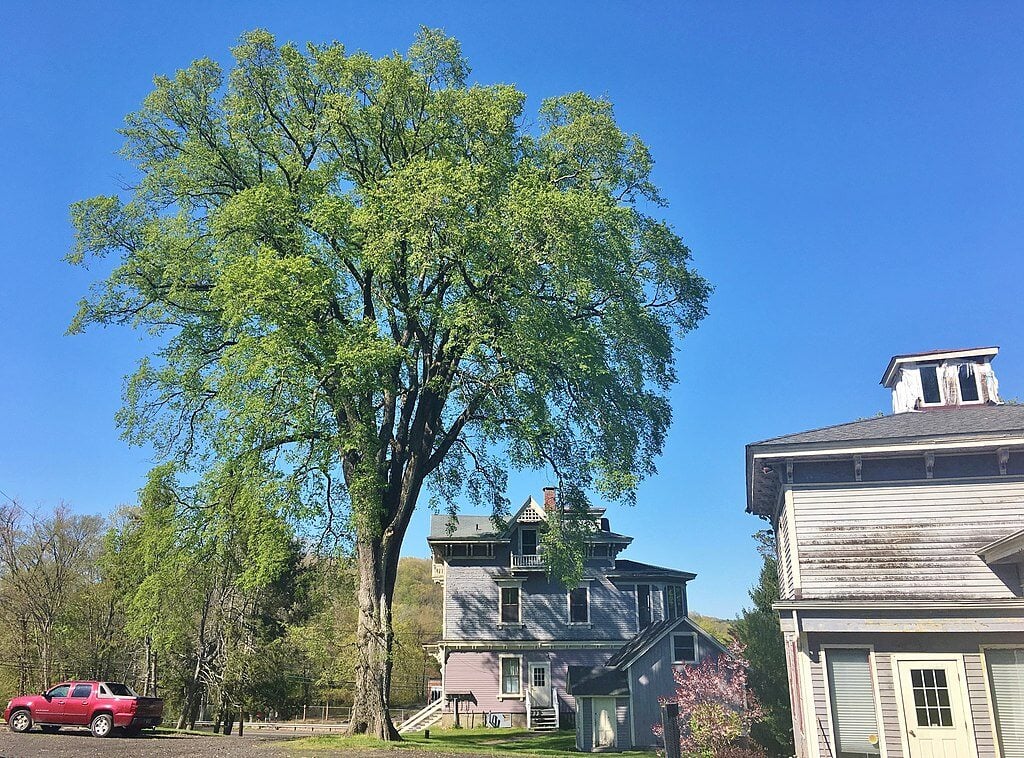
855, 721
1006, 676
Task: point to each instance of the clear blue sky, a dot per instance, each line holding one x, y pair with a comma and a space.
848, 175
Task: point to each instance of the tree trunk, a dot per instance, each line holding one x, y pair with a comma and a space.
148, 666
45, 654
374, 638
23, 658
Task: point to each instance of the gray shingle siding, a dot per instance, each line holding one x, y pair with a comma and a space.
471, 608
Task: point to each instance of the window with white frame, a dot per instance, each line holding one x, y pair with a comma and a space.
968, 379
931, 394
1006, 680
528, 541
643, 606
508, 605
852, 699
675, 603
511, 677
579, 605
684, 648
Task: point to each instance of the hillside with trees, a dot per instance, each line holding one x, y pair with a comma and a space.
169, 605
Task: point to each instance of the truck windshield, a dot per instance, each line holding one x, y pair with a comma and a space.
120, 690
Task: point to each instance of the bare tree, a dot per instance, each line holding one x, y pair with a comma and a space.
44, 562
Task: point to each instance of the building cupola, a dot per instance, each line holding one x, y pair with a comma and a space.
942, 379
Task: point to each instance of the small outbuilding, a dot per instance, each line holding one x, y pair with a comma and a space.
619, 703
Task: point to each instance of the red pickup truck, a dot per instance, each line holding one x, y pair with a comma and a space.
101, 706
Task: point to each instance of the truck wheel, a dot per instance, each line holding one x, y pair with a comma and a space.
102, 725
20, 721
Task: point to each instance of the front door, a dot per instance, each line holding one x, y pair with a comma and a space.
604, 722
540, 684
934, 716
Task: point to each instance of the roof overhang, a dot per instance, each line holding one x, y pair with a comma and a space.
902, 616
1009, 549
935, 355
652, 576
763, 461
596, 681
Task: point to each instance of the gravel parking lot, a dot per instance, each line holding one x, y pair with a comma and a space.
78, 743
75, 743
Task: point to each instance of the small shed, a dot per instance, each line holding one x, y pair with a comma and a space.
602, 708
618, 704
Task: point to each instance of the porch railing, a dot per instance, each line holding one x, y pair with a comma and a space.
527, 561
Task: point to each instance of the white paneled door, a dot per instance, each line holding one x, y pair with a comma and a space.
540, 684
604, 722
935, 717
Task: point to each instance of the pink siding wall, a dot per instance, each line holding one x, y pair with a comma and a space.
478, 672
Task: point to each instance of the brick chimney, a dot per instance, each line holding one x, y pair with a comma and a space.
549, 499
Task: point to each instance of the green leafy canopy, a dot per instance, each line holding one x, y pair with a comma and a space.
367, 274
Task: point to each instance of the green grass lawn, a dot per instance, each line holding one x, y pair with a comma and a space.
507, 742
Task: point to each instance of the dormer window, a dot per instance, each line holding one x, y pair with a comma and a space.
643, 606
930, 385
675, 602
528, 541
968, 383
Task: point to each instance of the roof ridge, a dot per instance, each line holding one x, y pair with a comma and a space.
888, 418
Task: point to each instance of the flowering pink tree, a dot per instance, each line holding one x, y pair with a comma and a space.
716, 708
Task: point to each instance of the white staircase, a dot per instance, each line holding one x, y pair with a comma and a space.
543, 719
423, 718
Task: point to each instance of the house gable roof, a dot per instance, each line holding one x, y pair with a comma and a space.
612, 678
460, 528
628, 654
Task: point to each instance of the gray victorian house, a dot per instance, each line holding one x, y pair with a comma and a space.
900, 545
520, 649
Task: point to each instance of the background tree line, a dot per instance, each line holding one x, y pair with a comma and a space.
163, 596
228, 615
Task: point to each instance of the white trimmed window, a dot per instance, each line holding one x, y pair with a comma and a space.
528, 541
684, 648
675, 601
968, 379
579, 605
930, 386
852, 699
643, 606
511, 676
509, 605
1006, 678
